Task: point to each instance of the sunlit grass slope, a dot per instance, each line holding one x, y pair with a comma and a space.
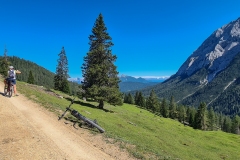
143, 134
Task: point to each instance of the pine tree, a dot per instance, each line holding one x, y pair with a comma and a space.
181, 114
164, 108
136, 98
220, 121
236, 124
99, 72
152, 102
65, 86
172, 108
4, 63
30, 78
60, 79
200, 117
211, 119
130, 98
140, 100
125, 99
227, 125
192, 117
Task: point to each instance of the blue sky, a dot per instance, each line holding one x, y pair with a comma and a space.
151, 37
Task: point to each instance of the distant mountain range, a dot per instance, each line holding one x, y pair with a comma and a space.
76, 80
129, 83
211, 74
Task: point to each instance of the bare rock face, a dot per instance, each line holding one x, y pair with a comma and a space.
215, 53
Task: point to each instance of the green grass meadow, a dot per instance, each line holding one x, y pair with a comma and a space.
143, 134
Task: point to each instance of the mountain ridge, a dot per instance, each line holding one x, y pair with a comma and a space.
210, 74
215, 53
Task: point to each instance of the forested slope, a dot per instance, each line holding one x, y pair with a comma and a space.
41, 75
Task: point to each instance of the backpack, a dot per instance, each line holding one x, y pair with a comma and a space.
11, 74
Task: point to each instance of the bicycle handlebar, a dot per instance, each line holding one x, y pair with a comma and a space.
67, 109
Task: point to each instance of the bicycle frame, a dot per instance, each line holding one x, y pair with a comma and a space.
77, 115
9, 89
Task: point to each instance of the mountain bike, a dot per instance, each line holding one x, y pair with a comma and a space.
8, 90
76, 114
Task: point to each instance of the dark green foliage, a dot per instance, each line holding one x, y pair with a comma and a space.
200, 117
211, 119
65, 86
128, 99
99, 72
191, 112
181, 114
236, 125
141, 100
136, 97
172, 108
30, 78
60, 79
152, 102
42, 76
227, 125
164, 108
4, 64
220, 120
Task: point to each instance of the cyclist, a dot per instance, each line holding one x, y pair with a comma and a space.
12, 78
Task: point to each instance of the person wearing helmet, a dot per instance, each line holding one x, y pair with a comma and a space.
12, 78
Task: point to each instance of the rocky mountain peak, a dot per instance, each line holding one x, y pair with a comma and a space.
216, 52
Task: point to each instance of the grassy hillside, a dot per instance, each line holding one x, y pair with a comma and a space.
143, 134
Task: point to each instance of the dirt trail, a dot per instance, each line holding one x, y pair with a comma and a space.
29, 131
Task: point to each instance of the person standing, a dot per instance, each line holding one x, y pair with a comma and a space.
12, 78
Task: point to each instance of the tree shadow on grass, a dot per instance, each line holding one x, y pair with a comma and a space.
87, 105
92, 106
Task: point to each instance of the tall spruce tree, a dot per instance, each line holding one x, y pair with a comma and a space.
136, 98
152, 102
227, 124
30, 78
172, 108
60, 79
164, 108
236, 124
211, 119
130, 98
141, 100
4, 63
181, 114
200, 117
99, 72
191, 112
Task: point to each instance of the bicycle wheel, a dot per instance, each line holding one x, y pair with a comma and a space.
95, 125
88, 121
10, 92
5, 91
